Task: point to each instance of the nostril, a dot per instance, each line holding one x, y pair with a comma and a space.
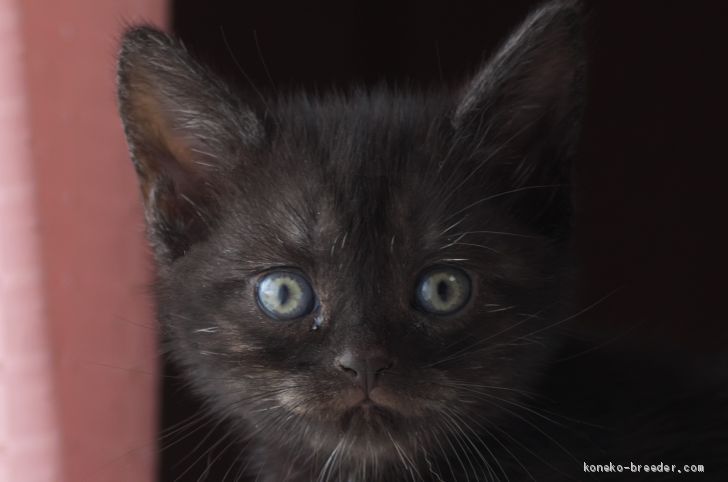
380, 364
348, 370
348, 363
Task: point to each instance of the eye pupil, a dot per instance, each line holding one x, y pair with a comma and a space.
443, 291
284, 293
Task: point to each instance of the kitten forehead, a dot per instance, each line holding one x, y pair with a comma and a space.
342, 164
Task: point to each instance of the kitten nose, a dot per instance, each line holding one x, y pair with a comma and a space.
364, 368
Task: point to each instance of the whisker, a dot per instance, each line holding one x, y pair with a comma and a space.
452, 415
505, 193
575, 315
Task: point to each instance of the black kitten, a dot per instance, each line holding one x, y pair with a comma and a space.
366, 286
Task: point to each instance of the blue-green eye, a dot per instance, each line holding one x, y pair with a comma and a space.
443, 290
285, 295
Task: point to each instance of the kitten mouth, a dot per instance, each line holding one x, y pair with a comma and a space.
367, 404
368, 417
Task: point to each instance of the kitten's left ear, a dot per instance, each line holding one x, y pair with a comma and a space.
527, 100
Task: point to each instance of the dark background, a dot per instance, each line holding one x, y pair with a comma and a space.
650, 183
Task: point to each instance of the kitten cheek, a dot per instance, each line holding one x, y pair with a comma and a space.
239, 347
292, 401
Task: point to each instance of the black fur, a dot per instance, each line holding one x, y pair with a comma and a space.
362, 191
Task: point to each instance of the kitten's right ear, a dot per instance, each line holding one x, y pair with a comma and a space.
185, 129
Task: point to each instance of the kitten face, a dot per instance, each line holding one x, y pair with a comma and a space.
369, 271
362, 240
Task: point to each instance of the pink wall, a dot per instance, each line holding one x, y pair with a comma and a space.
28, 423
73, 261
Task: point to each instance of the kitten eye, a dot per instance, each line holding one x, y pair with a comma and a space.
284, 295
443, 290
